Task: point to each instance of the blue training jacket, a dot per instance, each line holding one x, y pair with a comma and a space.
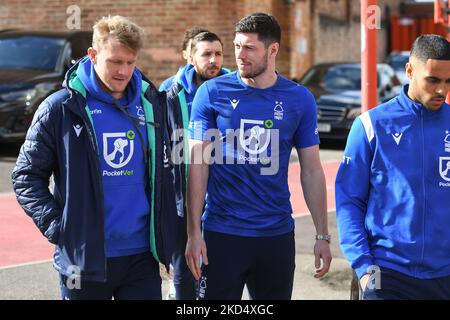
393, 190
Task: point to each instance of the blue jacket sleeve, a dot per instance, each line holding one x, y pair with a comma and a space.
34, 167
352, 193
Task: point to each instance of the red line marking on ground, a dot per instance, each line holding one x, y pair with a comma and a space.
21, 242
299, 207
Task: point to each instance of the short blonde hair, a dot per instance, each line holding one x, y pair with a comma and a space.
124, 30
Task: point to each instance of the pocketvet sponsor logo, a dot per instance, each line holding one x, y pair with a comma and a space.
444, 171
118, 150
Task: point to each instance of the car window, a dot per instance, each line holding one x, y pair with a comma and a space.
395, 81
312, 77
342, 78
30, 52
334, 78
384, 79
398, 61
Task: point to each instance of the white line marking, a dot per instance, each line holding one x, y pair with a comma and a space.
25, 264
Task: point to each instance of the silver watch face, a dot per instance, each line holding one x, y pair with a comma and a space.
325, 237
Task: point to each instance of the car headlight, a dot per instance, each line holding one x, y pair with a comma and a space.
21, 95
353, 113
27, 96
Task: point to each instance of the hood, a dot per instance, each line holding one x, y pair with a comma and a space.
185, 77
86, 73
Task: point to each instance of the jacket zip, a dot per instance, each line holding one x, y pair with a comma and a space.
423, 190
90, 129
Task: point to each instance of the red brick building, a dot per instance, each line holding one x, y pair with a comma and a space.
313, 30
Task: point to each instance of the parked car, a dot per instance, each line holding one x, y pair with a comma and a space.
32, 66
337, 89
397, 60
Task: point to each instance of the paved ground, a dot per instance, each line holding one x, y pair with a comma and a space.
8, 155
25, 256
40, 281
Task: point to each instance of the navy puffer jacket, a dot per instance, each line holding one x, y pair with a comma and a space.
71, 216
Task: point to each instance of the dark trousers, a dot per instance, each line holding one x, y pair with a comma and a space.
134, 277
183, 280
398, 286
265, 264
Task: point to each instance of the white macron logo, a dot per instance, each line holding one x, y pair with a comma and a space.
77, 129
234, 103
397, 137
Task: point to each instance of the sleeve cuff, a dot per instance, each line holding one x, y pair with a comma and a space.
363, 267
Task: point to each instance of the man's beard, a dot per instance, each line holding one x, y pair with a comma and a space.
204, 75
260, 69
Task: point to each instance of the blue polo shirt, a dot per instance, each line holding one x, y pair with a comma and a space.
254, 132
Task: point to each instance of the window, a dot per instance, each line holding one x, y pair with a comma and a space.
30, 52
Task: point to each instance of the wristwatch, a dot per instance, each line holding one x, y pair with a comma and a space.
325, 237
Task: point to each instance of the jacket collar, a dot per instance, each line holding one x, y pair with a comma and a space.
407, 102
186, 76
415, 107
77, 91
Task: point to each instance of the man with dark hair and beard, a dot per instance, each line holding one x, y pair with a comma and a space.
392, 189
206, 59
258, 116
189, 34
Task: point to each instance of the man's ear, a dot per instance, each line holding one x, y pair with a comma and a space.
409, 70
273, 49
190, 59
185, 54
92, 53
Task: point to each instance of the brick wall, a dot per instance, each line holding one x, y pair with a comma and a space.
313, 30
330, 31
339, 36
